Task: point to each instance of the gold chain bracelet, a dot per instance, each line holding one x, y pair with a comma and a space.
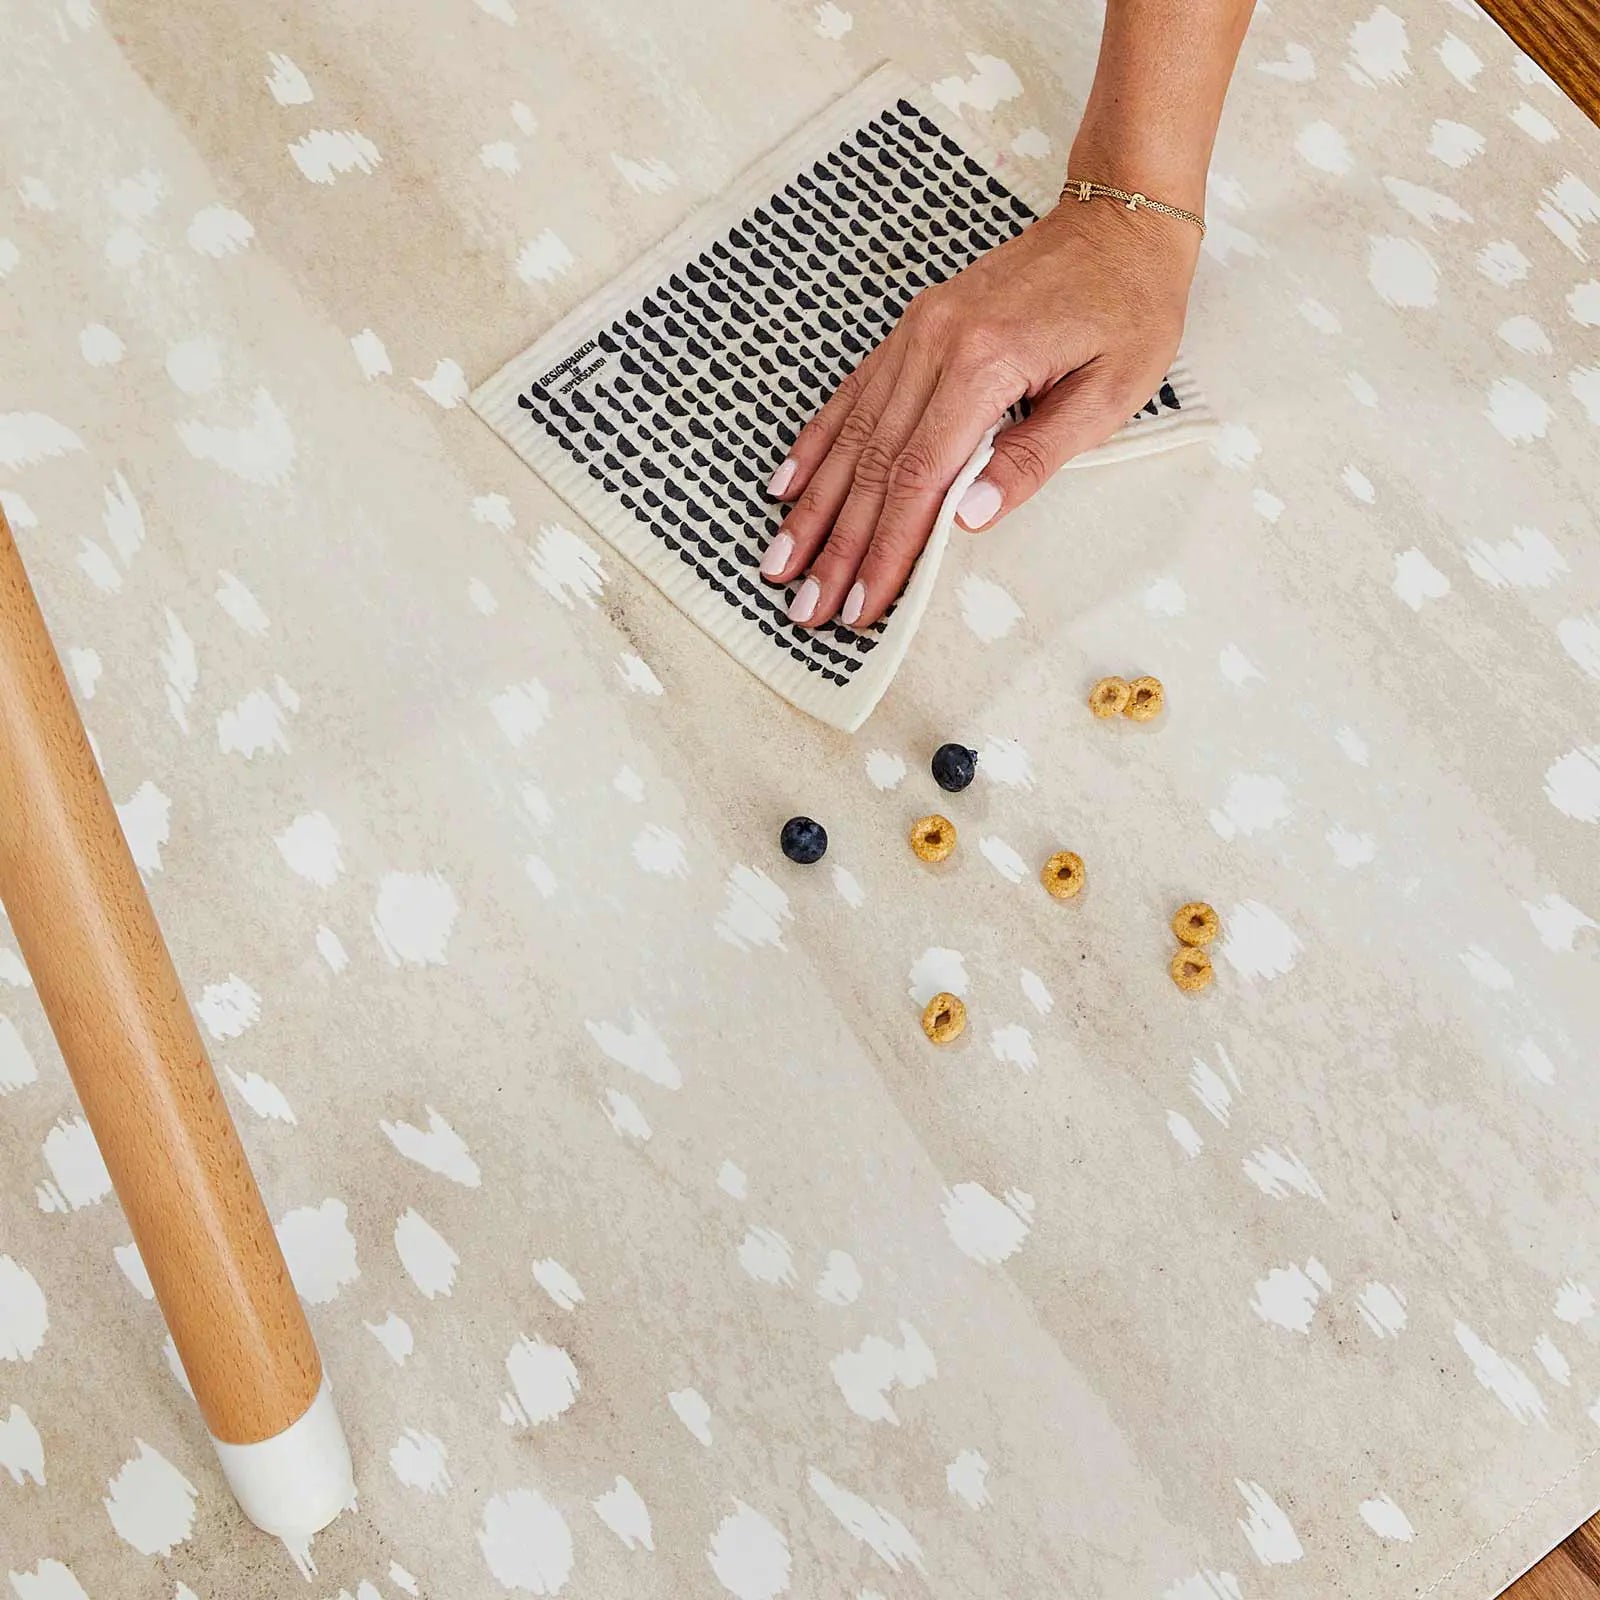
1083, 189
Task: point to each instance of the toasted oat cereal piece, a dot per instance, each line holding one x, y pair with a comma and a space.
1109, 697
1190, 968
943, 1018
1145, 699
1195, 923
933, 838
1063, 874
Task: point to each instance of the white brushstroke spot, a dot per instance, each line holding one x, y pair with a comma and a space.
544, 1383
21, 1449
320, 1250
987, 1229
987, 609
753, 912
883, 1533
1287, 1297
439, 1148
17, 1068
417, 1459
526, 1543
1383, 1309
840, 1283
310, 848
429, 1259
565, 567
767, 1257
626, 1515
1403, 273
1504, 1379
558, 1283
690, 1408
542, 258
1259, 943
218, 230
866, 1374
413, 918
1387, 1520
1572, 784
24, 1317
260, 451
1270, 1533
263, 1097
966, 1477
151, 1503
639, 1048
749, 1556
286, 83
325, 154
228, 1009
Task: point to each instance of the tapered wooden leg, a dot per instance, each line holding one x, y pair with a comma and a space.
98, 961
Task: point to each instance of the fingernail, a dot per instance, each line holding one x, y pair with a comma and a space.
777, 556
853, 604
978, 506
782, 478
805, 601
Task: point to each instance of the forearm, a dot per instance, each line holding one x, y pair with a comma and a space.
1152, 115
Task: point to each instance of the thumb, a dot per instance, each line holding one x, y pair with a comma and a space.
1084, 409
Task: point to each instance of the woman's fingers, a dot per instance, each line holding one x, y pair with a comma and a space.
1084, 409
805, 528
829, 587
815, 440
961, 411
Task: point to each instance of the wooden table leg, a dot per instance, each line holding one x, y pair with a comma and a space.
108, 986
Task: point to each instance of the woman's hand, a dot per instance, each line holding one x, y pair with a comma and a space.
1081, 313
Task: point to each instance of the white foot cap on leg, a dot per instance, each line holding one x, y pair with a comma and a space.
295, 1483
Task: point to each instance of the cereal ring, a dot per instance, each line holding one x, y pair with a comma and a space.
943, 1018
1145, 699
933, 838
1195, 923
1190, 969
1109, 697
1063, 874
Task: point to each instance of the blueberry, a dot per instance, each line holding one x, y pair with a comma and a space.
954, 766
803, 840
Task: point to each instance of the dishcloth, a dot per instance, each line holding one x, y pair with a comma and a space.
659, 408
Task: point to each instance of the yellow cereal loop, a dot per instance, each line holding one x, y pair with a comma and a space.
1063, 874
933, 838
1195, 923
943, 1018
1109, 697
1190, 969
1145, 699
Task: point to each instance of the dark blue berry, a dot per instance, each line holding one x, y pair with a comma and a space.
803, 840
954, 766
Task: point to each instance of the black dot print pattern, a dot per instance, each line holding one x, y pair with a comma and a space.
682, 406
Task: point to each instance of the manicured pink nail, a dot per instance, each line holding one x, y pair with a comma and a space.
805, 601
978, 506
782, 478
777, 556
854, 602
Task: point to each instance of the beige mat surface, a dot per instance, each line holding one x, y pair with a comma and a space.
651, 1249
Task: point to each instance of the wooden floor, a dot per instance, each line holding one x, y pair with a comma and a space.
1563, 36
1570, 1572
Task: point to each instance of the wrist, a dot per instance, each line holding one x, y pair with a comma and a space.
1112, 151
1140, 170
